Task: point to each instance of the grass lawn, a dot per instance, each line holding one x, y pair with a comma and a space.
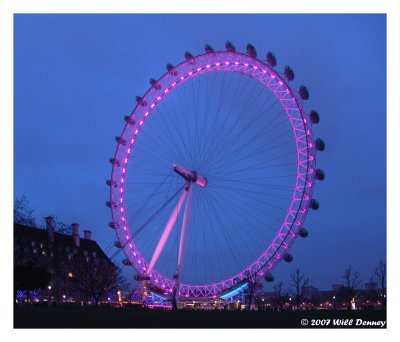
108, 317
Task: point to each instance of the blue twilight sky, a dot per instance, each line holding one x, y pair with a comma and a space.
76, 76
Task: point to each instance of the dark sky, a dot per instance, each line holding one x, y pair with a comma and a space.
76, 76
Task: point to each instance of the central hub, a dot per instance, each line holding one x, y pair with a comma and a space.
190, 176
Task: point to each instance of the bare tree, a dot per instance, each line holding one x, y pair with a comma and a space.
298, 281
280, 295
351, 283
97, 278
23, 214
380, 273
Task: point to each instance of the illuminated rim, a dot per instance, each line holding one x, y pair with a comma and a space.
219, 62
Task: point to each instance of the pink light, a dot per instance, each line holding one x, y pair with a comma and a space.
236, 63
152, 105
133, 252
123, 219
182, 77
190, 73
121, 198
122, 180
198, 69
132, 141
125, 228
166, 91
208, 66
126, 160
141, 123
226, 63
217, 64
123, 170
264, 71
147, 113
136, 132
246, 64
122, 190
127, 237
254, 67
122, 210
130, 245
174, 84
159, 98
129, 150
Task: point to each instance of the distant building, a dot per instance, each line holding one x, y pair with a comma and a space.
72, 261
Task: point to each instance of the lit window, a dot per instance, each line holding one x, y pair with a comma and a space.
41, 245
70, 275
35, 250
44, 252
33, 243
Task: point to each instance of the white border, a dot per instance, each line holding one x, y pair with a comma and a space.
9, 7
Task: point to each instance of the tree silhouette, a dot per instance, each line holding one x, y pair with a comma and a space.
380, 272
351, 283
280, 296
298, 281
96, 278
23, 214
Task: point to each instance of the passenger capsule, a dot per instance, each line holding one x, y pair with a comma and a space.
289, 73
269, 277
126, 262
113, 225
314, 117
288, 257
304, 94
139, 277
129, 119
314, 204
114, 162
271, 59
303, 232
118, 244
230, 47
111, 204
319, 144
251, 51
189, 57
120, 140
141, 101
111, 183
208, 48
171, 69
319, 174
155, 84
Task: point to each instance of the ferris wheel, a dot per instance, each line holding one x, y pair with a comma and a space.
213, 174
